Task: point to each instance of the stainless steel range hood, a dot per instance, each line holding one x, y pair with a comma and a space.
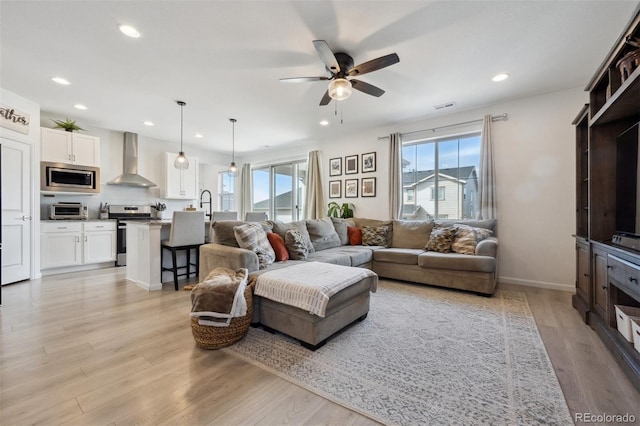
130, 177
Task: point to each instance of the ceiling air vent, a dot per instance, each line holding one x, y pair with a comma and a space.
443, 106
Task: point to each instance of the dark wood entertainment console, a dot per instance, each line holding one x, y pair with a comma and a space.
607, 274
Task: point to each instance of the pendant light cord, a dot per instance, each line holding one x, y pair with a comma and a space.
181, 125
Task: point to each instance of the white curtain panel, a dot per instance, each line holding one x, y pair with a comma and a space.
314, 197
395, 175
487, 179
245, 190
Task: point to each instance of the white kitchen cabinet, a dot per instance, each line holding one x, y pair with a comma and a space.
61, 244
99, 242
59, 146
72, 243
181, 184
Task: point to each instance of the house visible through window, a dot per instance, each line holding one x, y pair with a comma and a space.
440, 193
449, 164
279, 190
225, 191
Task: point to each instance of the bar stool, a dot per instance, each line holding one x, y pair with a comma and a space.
255, 216
187, 233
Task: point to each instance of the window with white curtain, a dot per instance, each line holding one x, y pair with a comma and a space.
279, 190
449, 164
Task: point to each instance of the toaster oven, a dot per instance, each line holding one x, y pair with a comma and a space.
69, 211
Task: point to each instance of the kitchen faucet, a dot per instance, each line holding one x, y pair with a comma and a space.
206, 202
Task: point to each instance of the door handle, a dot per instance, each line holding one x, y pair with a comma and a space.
24, 218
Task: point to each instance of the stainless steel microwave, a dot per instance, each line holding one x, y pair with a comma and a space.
61, 177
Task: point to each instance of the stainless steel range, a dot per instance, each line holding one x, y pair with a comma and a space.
123, 213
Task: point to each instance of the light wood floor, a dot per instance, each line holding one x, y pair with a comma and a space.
91, 348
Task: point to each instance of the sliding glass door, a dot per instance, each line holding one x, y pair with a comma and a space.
279, 190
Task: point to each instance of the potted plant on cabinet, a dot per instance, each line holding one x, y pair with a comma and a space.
67, 125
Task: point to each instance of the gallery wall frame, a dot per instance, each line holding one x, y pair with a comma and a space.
351, 165
335, 189
368, 187
368, 162
351, 188
335, 166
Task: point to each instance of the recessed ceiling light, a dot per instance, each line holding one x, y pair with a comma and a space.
500, 77
129, 31
61, 80
148, 123
80, 106
324, 123
198, 135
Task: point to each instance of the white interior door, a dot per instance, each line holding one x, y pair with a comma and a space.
16, 211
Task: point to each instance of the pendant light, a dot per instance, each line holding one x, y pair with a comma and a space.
181, 161
232, 167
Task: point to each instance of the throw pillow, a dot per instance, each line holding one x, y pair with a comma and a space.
251, 236
412, 234
277, 243
354, 235
375, 236
467, 238
296, 244
281, 228
441, 239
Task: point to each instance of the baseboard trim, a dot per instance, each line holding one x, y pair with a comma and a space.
538, 284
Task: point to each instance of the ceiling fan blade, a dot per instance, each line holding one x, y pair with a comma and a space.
327, 56
302, 79
367, 88
374, 64
325, 99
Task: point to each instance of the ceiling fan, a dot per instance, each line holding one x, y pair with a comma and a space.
340, 66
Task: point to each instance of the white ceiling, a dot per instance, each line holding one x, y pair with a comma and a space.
224, 59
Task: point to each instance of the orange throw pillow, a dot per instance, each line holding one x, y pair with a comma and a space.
278, 245
355, 235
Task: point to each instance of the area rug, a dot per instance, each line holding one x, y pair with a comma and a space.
427, 356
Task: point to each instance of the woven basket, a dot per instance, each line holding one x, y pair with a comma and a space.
211, 337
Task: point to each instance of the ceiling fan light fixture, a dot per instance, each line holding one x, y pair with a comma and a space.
340, 89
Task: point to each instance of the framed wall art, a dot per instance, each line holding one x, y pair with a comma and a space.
335, 189
368, 187
351, 165
335, 166
351, 188
368, 162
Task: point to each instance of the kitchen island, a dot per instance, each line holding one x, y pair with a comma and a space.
143, 252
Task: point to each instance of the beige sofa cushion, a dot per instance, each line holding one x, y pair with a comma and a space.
484, 223
398, 255
412, 234
460, 262
223, 232
341, 225
322, 234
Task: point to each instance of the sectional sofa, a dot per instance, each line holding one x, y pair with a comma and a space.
419, 251
393, 249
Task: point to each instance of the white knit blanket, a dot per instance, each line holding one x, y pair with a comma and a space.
309, 285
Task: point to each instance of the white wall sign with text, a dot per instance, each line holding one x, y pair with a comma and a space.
11, 118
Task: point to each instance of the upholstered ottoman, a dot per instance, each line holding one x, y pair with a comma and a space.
343, 307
